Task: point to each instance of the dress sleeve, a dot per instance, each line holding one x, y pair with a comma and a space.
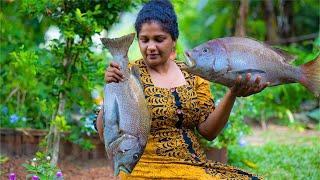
206, 103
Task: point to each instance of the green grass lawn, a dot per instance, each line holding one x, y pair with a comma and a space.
275, 160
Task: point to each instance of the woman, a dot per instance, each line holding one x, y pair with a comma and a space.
179, 102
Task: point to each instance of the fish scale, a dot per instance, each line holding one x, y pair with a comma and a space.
222, 60
127, 120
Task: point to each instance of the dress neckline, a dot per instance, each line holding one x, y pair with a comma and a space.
184, 73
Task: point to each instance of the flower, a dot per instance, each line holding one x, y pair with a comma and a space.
4, 110
14, 118
12, 176
48, 158
59, 174
242, 142
34, 159
34, 177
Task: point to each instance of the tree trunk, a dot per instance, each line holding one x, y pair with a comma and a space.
242, 18
271, 23
53, 137
286, 26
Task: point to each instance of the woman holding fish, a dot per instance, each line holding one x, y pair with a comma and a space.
178, 102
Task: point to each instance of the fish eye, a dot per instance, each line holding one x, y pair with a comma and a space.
205, 50
135, 156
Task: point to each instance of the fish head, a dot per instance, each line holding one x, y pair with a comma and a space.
208, 60
127, 154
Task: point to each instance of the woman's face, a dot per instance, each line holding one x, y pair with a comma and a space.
155, 44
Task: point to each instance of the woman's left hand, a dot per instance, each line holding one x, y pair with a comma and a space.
244, 88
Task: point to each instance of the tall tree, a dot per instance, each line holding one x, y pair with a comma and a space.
270, 22
74, 64
242, 18
286, 18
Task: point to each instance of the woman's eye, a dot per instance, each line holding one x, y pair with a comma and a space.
159, 39
205, 50
144, 40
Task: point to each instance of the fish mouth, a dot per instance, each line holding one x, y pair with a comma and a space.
121, 168
189, 62
124, 169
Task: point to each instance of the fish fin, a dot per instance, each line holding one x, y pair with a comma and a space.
285, 54
287, 57
118, 46
311, 76
114, 145
117, 142
246, 71
116, 170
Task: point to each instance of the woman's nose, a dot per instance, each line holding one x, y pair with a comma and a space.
151, 47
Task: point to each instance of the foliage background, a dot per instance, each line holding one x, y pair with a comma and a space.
33, 65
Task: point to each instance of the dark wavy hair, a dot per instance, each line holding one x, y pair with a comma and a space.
162, 12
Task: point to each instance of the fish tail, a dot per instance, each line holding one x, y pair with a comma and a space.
118, 46
311, 76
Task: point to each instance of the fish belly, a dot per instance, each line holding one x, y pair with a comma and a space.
129, 115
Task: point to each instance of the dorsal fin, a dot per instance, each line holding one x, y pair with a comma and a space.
286, 56
118, 46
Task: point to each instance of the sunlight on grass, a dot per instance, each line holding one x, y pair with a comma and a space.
300, 160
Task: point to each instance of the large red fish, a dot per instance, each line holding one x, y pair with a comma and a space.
223, 60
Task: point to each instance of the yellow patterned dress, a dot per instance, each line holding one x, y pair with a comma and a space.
173, 151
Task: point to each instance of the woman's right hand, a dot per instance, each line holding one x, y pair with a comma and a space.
113, 73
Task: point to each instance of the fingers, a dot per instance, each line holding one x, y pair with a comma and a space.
111, 79
257, 88
256, 85
238, 80
244, 87
248, 77
238, 87
113, 73
258, 80
115, 65
264, 86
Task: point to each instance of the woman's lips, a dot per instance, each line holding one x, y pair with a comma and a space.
152, 56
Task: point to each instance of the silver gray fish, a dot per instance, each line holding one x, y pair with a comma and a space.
223, 60
126, 116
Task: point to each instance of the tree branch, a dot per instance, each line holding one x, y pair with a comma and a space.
11, 94
295, 39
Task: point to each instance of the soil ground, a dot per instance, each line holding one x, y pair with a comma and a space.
100, 169
71, 169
